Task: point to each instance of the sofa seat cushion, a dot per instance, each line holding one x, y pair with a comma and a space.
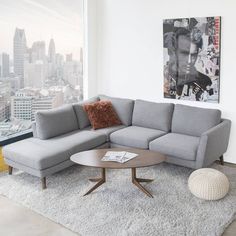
41, 154
134, 136
107, 131
178, 145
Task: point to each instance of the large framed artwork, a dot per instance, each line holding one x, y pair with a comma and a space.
192, 58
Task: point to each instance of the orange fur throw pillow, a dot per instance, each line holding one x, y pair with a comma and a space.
102, 114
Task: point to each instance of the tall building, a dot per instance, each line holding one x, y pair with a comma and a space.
69, 57
38, 51
5, 65
51, 67
19, 51
21, 106
59, 66
59, 60
70, 73
51, 51
34, 74
35, 68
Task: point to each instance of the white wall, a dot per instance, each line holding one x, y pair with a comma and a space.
90, 55
129, 50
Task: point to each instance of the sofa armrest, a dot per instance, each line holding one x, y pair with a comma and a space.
34, 129
213, 144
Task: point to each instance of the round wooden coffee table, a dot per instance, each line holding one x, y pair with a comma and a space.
93, 158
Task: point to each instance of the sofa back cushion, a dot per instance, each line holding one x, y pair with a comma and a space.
153, 115
81, 114
55, 122
123, 107
194, 120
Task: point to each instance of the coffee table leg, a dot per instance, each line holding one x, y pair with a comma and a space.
136, 181
99, 181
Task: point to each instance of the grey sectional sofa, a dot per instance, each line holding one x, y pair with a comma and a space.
189, 136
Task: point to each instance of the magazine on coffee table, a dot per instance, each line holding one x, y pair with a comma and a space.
120, 157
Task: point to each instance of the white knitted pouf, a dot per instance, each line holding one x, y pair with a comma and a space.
208, 184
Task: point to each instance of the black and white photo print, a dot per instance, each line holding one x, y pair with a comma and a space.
192, 58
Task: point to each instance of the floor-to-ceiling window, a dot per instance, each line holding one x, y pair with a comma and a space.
41, 59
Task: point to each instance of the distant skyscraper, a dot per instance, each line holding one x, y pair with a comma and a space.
71, 70
69, 57
59, 66
19, 51
38, 51
5, 65
51, 60
35, 74
28, 55
51, 51
59, 60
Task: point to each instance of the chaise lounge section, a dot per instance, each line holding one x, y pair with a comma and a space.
56, 137
188, 136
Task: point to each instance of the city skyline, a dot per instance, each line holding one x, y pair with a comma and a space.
47, 48
48, 60
41, 59
41, 79
41, 21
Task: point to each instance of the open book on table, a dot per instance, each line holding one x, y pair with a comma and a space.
120, 157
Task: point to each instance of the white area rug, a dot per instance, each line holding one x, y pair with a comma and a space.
120, 208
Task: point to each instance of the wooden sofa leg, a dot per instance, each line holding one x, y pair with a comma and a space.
43, 181
222, 160
10, 168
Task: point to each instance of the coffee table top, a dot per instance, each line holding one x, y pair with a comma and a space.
93, 158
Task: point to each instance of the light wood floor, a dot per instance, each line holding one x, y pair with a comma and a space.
17, 220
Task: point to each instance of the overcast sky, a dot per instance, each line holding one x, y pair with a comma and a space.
41, 20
